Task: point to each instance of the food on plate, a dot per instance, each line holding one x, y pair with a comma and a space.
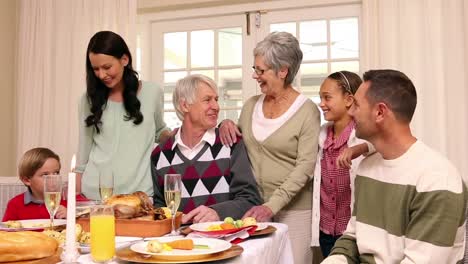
229, 220
154, 246
25, 245
13, 224
55, 235
78, 232
185, 244
230, 223
85, 238
226, 226
167, 211
215, 227
249, 221
81, 236
135, 206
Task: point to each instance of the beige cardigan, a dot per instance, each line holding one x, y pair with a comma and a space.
283, 163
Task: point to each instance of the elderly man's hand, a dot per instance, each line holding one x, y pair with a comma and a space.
261, 213
228, 132
200, 214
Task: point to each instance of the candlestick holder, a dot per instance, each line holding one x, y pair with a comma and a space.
70, 257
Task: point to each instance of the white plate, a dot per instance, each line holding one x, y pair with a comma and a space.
83, 208
119, 242
261, 226
33, 224
203, 227
215, 245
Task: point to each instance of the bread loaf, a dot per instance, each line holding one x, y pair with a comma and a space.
25, 245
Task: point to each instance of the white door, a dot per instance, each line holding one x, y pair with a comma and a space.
220, 46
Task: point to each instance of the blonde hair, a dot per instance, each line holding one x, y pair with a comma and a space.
33, 160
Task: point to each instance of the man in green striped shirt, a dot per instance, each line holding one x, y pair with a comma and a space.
409, 200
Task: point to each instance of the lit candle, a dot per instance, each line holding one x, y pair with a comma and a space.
70, 246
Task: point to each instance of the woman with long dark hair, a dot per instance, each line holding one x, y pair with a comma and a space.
120, 118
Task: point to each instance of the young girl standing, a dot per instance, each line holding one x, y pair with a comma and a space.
339, 155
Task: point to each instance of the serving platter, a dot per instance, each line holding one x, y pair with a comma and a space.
33, 224
138, 228
129, 255
52, 259
214, 246
204, 227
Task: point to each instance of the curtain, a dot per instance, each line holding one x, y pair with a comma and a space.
52, 41
428, 41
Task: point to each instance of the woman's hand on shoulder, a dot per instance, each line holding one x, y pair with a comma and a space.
228, 132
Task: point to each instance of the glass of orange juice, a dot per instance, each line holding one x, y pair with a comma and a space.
102, 233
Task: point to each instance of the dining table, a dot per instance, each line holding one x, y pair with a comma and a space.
273, 248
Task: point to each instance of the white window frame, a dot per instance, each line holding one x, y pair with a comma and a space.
270, 12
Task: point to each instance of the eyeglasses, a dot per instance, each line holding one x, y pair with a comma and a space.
258, 71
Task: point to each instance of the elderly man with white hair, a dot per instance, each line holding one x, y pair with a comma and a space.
217, 180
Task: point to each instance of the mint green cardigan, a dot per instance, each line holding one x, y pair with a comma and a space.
284, 162
122, 145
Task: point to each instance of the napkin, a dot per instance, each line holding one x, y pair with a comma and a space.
234, 236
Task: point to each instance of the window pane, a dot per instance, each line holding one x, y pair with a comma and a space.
175, 50
313, 37
230, 90
312, 75
352, 66
344, 38
287, 27
229, 114
170, 79
209, 73
202, 48
173, 77
230, 46
171, 119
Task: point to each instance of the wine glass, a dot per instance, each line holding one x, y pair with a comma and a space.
172, 187
52, 194
106, 183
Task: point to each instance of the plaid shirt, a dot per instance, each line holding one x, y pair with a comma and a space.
335, 189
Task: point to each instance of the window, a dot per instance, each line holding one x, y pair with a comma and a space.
219, 47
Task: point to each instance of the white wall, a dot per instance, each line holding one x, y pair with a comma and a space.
8, 24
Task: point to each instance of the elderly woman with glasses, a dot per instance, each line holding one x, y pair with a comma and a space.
280, 129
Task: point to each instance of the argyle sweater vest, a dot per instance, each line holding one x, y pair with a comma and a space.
205, 179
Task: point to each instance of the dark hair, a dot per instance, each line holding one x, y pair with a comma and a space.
393, 88
110, 43
348, 81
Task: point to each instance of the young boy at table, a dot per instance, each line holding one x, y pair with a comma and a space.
34, 164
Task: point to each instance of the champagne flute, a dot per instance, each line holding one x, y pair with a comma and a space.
52, 194
106, 183
172, 188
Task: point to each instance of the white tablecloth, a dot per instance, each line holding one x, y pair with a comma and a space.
273, 249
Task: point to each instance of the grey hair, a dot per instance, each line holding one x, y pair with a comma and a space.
281, 49
186, 90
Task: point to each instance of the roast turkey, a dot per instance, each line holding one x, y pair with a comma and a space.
136, 205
